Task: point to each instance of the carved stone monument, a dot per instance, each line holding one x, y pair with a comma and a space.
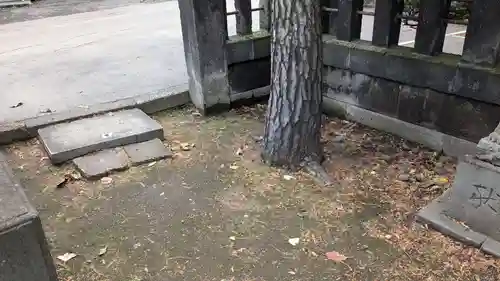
470, 210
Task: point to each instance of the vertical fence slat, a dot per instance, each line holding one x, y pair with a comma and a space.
387, 25
431, 28
482, 41
348, 20
265, 15
224, 20
243, 17
204, 32
328, 18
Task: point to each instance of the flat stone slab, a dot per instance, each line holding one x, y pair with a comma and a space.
101, 163
149, 151
24, 253
66, 141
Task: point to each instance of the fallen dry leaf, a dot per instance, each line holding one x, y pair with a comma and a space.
442, 180
76, 176
294, 241
17, 105
106, 180
66, 257
69, 178
185, 146
63, 183
103, 251
46, 110
335, 256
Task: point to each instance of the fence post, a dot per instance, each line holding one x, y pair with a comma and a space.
204, 32
243, 17
387, 25
265, 15
328, 18
348, 20
431, 28
482, 41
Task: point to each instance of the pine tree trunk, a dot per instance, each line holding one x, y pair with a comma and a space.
293, 123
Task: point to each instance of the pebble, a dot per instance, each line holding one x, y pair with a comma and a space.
339, 139
404, 177
420, 177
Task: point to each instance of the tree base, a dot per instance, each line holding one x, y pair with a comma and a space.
318, 173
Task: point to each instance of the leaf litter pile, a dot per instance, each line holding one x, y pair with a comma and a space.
270, 224
372, 168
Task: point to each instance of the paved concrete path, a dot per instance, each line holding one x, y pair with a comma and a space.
59, 63
63, 62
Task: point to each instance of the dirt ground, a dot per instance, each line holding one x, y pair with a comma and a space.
216, 212
50, 8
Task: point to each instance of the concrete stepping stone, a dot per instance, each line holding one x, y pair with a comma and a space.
102, 163
66, 141
148, 151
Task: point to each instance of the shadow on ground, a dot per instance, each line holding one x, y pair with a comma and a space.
215, 212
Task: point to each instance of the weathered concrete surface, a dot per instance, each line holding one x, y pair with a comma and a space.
174, 97
70, 140
11, 131
101, 163
148, 151
480, 46
89, 58
435, 140
433, 215
461, 117
429, 138
14, 3
439, 73
149, 103
24, 254
204, 36
469, 210
492, 247
475, 197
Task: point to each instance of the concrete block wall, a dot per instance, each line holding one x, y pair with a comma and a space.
457, 116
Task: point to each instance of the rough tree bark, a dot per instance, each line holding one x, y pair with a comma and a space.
293, 123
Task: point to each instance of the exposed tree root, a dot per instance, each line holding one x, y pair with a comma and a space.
318, 173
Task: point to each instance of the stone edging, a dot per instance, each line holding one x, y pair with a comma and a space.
149, 103
450, 145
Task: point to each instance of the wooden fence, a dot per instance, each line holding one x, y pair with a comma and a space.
456, 95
